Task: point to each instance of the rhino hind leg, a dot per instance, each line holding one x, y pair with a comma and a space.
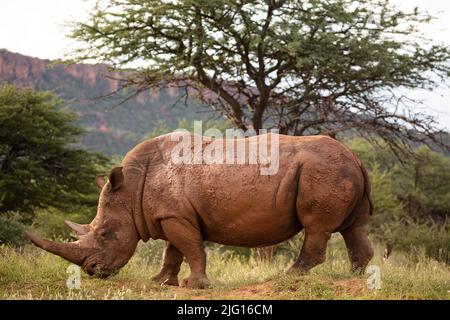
188, 240
313, 251
170, 267
357, 241
321, 208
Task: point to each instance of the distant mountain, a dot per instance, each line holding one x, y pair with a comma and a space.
111, 129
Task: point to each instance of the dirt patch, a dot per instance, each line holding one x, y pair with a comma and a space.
352, 287
259, 291
326, 289
300, 288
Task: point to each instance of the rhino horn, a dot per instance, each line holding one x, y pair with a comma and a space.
72, 251
79, 229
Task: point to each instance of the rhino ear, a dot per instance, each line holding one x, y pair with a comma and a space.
100, 181
116, 178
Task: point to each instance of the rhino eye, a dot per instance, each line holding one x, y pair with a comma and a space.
108, 234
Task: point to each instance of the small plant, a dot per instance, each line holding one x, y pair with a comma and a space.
11, 232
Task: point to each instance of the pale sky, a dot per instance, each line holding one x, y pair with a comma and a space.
37, 28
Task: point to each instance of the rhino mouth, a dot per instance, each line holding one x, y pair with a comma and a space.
94, 267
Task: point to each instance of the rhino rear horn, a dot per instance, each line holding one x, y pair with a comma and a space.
79, 229
72, 251
100, 181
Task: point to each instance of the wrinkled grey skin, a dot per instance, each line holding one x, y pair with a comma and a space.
320, 187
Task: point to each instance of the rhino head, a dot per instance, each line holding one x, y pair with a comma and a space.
108, 242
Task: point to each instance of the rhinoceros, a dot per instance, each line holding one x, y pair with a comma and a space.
320, 186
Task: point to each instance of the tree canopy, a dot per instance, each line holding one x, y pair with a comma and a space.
305, 67
40, 165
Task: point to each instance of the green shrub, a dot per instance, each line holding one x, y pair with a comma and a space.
387, 206
11, 231
40, 161
50, 221
421, 181
413, 236
424, 184
373, 154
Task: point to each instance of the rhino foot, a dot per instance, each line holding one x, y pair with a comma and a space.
196, 282
296, 271
166, 279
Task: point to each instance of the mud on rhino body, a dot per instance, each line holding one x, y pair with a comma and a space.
320, 187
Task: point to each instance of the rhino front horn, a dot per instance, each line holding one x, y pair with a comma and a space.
79, 229
69, 251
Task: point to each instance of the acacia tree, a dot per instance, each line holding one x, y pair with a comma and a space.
305, 67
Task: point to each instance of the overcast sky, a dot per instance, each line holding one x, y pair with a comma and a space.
38, 28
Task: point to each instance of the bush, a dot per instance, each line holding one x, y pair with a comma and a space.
424, 184
387, 206
50, 222
11, 231
413, 236
41, 164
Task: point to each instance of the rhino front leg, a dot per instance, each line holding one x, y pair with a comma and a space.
171, 266
187, 238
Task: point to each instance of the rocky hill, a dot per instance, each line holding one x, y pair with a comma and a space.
110, 129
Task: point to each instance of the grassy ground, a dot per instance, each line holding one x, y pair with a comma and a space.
31, 273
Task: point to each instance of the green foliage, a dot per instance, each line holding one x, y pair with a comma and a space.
373, 155
387, 206
40, 165
50, 221
409, 235
424, 184
11, 231
421, 183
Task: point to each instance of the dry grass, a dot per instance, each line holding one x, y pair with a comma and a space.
31, 273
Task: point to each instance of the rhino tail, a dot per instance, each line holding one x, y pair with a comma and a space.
367, 187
